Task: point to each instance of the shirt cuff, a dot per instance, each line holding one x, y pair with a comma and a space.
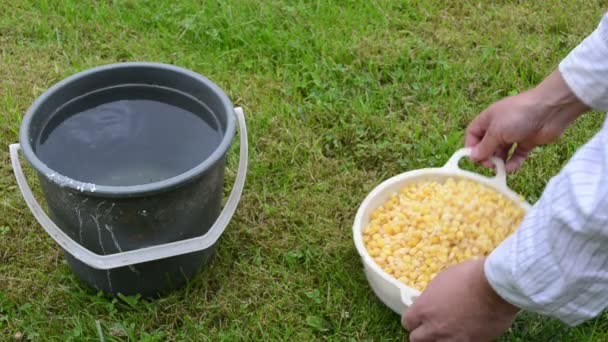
499, 272
585, 68
500, 275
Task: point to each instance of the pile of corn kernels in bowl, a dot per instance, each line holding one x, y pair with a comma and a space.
430, 225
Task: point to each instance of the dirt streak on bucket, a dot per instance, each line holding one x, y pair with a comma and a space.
131, 160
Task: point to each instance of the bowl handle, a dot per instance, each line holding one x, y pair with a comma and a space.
407, 299
500, 179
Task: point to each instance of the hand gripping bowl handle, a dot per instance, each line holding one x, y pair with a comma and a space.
499, 180
105, 262
407, 295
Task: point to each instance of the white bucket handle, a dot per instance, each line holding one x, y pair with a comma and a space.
105, 262
499, 180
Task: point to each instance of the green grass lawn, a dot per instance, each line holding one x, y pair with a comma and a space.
339, 95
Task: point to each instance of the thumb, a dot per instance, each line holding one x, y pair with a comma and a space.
486, 147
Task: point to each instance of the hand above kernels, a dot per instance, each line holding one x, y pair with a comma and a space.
429, 226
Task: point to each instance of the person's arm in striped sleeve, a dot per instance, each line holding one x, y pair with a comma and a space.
556, 263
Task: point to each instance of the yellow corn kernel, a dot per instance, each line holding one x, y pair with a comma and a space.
467, 253
413, 242
388, 229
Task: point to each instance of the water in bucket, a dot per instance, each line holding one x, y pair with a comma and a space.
128, 136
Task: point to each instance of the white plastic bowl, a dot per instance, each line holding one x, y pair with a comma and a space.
394, 294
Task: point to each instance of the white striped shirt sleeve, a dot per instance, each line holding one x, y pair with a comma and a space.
556, 263
585, 69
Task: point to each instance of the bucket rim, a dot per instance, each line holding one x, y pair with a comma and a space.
26, 140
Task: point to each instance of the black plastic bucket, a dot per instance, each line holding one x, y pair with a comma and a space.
124, 228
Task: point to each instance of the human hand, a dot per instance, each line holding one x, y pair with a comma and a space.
459, 305
535, 117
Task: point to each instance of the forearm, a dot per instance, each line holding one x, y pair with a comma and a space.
556, 263
560, 104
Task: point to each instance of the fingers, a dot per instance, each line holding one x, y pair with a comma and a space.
486, 147
410, 320
503, 151
514, 163
476, 130
472, 138
423, 334
483, 142
517, 159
